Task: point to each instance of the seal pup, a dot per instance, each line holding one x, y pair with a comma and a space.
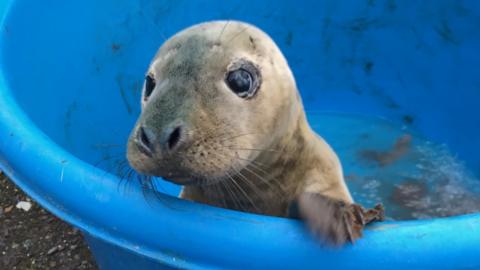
221, 115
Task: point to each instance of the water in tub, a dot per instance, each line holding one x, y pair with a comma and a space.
386, 162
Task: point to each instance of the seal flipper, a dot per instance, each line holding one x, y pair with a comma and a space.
333, 221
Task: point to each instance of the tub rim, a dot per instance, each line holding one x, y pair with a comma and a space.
20, 135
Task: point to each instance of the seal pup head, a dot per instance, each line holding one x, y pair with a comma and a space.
215, 95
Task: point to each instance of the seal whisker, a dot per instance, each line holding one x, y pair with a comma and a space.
129, 177
259, 169
252, 186
240, 158
218, 190
112, 163
268, 183
272, 182
233, 195
253, 165
147, 184
248, 181
250, 162
124, 174
254, 162
245, 194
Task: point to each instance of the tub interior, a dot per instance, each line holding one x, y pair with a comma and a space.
370, 73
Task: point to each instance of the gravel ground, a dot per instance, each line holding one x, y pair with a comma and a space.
35, 239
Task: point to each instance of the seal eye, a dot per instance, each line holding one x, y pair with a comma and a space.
149, 86
243, 78
240, 81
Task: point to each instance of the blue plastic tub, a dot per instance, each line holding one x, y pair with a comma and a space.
70, 78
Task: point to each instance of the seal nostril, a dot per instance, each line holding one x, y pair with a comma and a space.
174, 137
143, 137
144, 141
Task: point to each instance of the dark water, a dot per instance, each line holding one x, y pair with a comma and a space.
384, 162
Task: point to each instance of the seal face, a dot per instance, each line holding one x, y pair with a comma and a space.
222, 116
207, 106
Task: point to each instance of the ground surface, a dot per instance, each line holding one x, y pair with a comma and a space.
35, 239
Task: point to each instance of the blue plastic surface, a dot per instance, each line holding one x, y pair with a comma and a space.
70, 79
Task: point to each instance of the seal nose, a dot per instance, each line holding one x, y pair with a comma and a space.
146, 141
149, 144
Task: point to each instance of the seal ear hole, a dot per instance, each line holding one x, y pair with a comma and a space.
149, 86
243, 78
